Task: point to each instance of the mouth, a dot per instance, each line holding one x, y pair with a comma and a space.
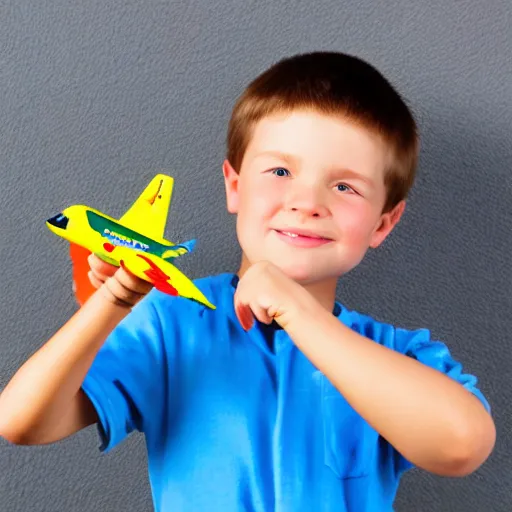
302, 238
295, 233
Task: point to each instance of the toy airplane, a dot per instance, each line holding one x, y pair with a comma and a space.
136, 239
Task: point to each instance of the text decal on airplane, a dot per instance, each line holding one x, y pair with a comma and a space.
117, 234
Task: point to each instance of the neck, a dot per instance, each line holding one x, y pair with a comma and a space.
323, 291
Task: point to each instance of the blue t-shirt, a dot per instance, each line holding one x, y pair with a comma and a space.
242, 421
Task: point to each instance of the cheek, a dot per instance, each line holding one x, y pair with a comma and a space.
356, 221
259, 200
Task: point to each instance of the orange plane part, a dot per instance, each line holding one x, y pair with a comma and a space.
80, 266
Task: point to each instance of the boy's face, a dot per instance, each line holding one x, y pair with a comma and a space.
309, 195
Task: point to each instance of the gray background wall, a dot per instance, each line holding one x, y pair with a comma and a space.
96, 97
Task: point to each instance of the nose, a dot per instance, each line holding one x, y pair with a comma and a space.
59, 221
306, 199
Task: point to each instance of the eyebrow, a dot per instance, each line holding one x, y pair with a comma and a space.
348, 173
279, 155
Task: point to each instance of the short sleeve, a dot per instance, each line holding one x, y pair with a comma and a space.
419, 345
435, 354
125, 380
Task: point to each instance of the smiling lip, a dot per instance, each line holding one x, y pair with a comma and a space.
301, 238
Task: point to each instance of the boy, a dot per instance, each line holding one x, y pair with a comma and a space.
281, 399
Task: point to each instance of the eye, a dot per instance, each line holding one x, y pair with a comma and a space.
343, 188
281, 172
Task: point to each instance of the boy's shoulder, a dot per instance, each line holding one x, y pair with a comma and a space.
393, 336
416, 343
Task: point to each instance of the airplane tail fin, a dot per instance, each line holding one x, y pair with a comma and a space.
148, 214
178, 250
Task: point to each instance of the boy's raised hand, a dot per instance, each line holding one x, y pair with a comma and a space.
266, 293
117, 284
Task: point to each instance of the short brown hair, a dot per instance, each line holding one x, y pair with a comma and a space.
336, 84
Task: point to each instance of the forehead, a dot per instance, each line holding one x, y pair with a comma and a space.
320, 139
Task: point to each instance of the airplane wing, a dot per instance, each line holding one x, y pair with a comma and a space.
148, 214
163, 275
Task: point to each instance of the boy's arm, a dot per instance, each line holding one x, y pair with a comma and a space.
43, 402
432, 420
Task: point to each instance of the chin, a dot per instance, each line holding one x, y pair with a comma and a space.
302, 274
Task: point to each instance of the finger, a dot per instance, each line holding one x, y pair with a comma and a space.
101, 267
239, 313
261, 314
236, 305
100, 276
110, 295
132, 282
247, 317
123, 266
94, 280
243, 314
119, 291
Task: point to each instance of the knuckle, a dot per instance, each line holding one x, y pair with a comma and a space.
93, 280
131, 285
120, 291
98, 275
126, 279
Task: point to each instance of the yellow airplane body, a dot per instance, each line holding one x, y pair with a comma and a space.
136, 239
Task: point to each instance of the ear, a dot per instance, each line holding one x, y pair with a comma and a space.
231, 179
387, 222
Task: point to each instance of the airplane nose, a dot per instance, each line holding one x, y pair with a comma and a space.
59, 221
